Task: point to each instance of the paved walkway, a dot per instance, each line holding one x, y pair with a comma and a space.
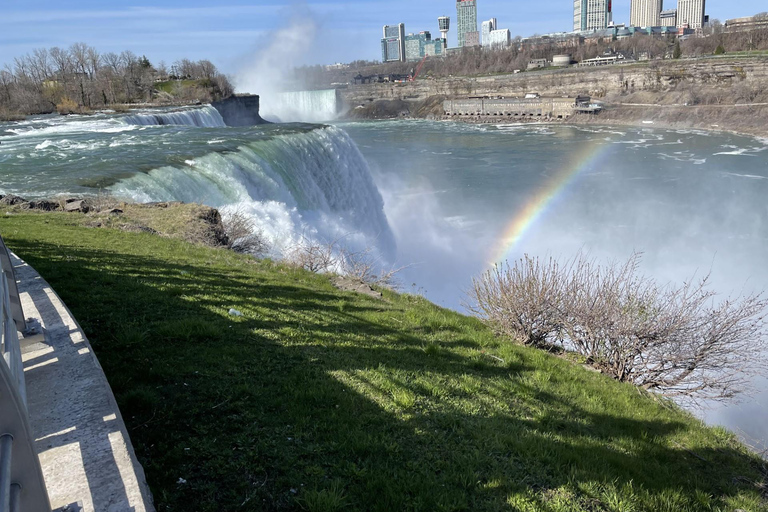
85, 452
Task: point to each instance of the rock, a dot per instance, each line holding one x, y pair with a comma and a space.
12, 200
77, 205
45, 205
351, 284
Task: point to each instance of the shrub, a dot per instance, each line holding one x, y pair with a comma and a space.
677, 340
242, 234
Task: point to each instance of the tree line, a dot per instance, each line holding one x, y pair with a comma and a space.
715, 39
80, 78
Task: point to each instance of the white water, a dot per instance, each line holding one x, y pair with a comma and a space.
205, 117
304, 106
308, 185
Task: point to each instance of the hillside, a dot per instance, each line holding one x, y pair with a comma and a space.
316, 399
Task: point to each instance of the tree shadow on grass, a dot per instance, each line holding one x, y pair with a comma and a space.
312, 387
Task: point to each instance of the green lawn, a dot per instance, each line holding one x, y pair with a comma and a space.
321, 400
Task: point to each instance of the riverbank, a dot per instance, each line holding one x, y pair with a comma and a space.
338, 400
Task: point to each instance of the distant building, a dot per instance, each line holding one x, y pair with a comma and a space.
466, 22
444, 25
645, 13
591, 15
668, 18
488, 27
537, 63
472, 39
690, 13
418, 46
748, 23
393, 43
498, 39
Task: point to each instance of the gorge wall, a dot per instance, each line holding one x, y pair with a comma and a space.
680, 87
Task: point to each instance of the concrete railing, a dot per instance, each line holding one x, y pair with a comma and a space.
22, 488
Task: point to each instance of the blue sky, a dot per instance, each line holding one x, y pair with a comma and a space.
229, 32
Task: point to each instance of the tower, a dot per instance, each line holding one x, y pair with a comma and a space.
691, 13
444, 23
591, 14
645, 13
488, 27
393, 43
466, 22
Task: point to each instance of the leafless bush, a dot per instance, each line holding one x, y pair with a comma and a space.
676, 340
521, 301
242, 233
318, 257
369, 268
334, 256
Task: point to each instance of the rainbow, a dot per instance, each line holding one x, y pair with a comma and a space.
540, 202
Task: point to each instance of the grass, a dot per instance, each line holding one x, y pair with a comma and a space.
321, 400
171, 86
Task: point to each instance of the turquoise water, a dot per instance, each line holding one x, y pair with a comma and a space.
441, 199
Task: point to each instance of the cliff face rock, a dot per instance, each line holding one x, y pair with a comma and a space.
702, 81
240, 110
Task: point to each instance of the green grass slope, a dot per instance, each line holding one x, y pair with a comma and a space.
321, 400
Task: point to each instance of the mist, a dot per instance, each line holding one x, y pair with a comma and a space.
692, 203
268, 70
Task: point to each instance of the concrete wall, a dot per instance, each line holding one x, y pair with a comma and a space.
535, 107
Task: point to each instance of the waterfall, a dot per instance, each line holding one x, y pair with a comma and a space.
203, 117
306, 106
305, 184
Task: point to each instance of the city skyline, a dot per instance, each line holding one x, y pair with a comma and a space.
228, 35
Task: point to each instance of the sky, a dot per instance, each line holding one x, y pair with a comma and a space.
233, 30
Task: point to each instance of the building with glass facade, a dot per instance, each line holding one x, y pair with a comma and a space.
466, 21
591, 15
393, 43
488, 27
418, 46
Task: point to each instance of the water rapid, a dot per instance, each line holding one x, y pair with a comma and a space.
309, 184
204, 117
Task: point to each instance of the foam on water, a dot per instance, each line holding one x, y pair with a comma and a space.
205, 117
312, 184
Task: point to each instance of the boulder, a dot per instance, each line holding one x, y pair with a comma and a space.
44, 204
12, 200
77, 205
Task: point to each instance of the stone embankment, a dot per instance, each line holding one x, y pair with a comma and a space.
693, 93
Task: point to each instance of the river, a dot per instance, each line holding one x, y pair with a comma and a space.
443, 200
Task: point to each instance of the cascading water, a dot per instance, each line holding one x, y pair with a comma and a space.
312, 184
306, 106
204, 117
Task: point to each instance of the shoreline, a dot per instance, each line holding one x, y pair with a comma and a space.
650, 120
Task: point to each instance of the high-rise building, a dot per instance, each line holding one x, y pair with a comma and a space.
466, 21
498, 39
668, 18
488, 27
418, 46
591, 15
393, 43
645, 13
690, 13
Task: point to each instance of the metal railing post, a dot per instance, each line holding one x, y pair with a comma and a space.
21, 477
6, 451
